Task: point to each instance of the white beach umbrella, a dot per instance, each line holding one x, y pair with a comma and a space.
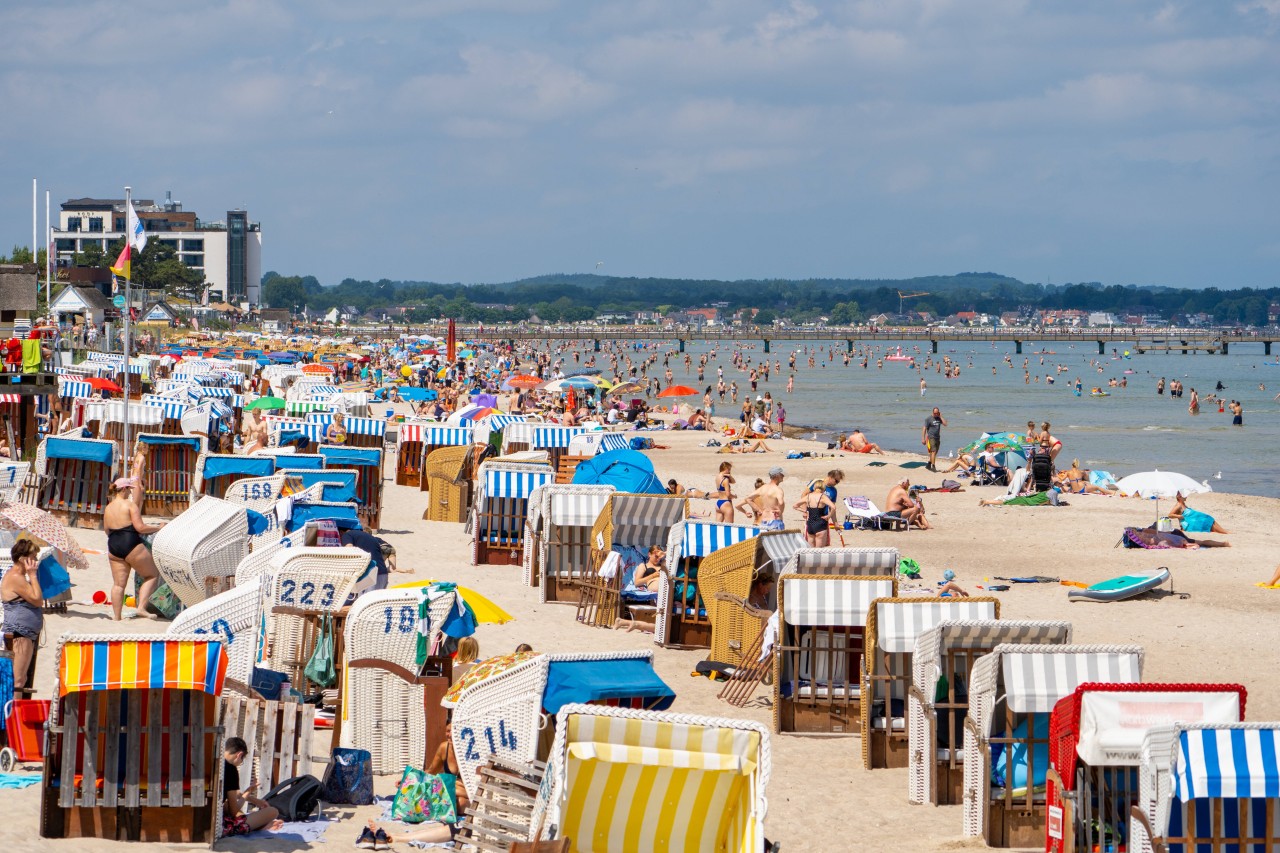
1161, 484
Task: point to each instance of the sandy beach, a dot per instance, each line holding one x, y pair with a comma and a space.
819, 796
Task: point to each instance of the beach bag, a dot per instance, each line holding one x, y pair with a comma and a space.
349, 777
267, 682
909, 567
641, 443
422, 796
295, 798
320, 669
163, 602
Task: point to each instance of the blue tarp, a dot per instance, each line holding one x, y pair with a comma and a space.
593, 680
185, 441
626, 470
258, 523
225, 466
344, 515
299, 462
416, 395
340, 485
350, 457
289, 436
70, 448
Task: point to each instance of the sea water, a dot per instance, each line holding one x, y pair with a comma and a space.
1134, 429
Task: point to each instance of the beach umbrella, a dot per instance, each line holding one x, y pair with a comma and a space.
630, 386
1161, 484
100, 384
522, 381
486, 400
559, 386
995, 442
484, 609
42, 526
264, 403
679, 391
487, 668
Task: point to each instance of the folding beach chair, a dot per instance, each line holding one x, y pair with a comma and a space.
1095, 746
557, 552
938, 700
498, 515
867, 516
725, 578
684, 613
817, 658
619, 777
1208, 786
134, 746
387, 707
894, 625
1006, 737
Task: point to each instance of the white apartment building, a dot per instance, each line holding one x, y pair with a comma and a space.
228, 252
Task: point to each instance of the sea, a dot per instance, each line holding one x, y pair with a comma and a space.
1133, 429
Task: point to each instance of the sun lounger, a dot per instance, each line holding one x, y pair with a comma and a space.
866, 514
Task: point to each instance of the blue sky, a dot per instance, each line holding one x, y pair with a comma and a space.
1123, 141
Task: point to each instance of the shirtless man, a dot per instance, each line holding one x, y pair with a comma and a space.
900, 504
767, 502
255, 432
857, 443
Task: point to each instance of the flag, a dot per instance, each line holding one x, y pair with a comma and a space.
121, 266
137, 235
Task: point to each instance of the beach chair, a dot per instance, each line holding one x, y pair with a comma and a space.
843, 561
437, 437
336, 485
894, 626
552, 438
1208, 787
724, 582
134, 749
1012, 691
294, 461
13, 479
621, 778
366, 432
447, 473
409, 453
304, 585
259, 494
216, 472
865, 515
141, 419
507, 714
557, 551
501, 505
75, 477
170, 472
368, 462
235, 618
684, 618
197, 553
626, 522
938, 699
1095, 746
388, 706
817, 654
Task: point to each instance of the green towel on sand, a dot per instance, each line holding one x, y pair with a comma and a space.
912, 464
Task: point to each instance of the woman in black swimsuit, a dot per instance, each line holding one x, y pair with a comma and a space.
122, 519
817, 508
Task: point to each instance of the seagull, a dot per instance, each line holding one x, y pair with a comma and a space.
599, 264
1217, 476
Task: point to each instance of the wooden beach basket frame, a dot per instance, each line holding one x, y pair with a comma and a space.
218, 487
1004, 818
725, 577
498, 521
448, 474
949, 650
75, 490
171, 472
558, 555
886, 674
369, 485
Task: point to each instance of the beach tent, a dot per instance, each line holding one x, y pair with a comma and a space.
627, 471
937, 702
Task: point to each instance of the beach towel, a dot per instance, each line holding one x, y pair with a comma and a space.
18, 780
301, 831
912, 464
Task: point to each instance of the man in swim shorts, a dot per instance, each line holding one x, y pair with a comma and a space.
931, 436
857, 443
768, 502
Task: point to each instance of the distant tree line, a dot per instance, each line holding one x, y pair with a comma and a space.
571, 298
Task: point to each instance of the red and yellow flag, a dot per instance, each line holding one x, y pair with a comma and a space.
121, 266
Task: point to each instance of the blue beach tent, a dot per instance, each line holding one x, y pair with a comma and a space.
626, 470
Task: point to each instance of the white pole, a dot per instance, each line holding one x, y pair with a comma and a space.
128, 304
35, 217
48, 257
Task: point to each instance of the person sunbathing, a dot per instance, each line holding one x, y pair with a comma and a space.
963, 463
1075, 480
1150, 537
857, 443
1192, 520
651, 570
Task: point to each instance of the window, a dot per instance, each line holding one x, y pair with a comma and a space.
95, 224
192, 260
190, 245
73, 224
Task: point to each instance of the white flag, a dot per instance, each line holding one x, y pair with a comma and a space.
137, 235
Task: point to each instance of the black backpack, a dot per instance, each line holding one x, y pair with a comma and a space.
295, 798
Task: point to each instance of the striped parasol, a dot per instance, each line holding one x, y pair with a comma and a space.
42, 526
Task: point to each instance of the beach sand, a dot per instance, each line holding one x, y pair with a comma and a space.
819, 796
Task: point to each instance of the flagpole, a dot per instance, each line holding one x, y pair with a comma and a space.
48, 250
128, 304
35, 217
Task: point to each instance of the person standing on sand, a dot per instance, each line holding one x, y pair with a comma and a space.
931, 436
767, 502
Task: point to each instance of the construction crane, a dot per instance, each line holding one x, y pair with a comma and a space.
904, 296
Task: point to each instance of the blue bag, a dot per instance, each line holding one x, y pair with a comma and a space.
349, 777
267, 682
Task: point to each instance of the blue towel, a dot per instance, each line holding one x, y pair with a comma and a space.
18, 780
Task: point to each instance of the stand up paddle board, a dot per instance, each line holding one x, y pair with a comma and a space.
1125, 586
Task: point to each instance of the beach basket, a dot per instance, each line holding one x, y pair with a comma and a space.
447, 472
197, 553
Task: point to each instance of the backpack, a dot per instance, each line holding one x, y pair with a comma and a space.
295, 798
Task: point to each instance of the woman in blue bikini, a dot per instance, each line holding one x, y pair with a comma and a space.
724, 493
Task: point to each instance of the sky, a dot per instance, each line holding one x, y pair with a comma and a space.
1121, 141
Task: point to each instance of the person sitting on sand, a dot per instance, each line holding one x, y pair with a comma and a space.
445, 765
697, 421
1192, 520
948, 586
900, 504
234, 822
651, 570
963, 463
857, 443
1150, 537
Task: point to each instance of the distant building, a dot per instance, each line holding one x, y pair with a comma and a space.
275, 319
228, 252
1273, 313
703, 316
161, 312
1103, 318
18, 284
79, 304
